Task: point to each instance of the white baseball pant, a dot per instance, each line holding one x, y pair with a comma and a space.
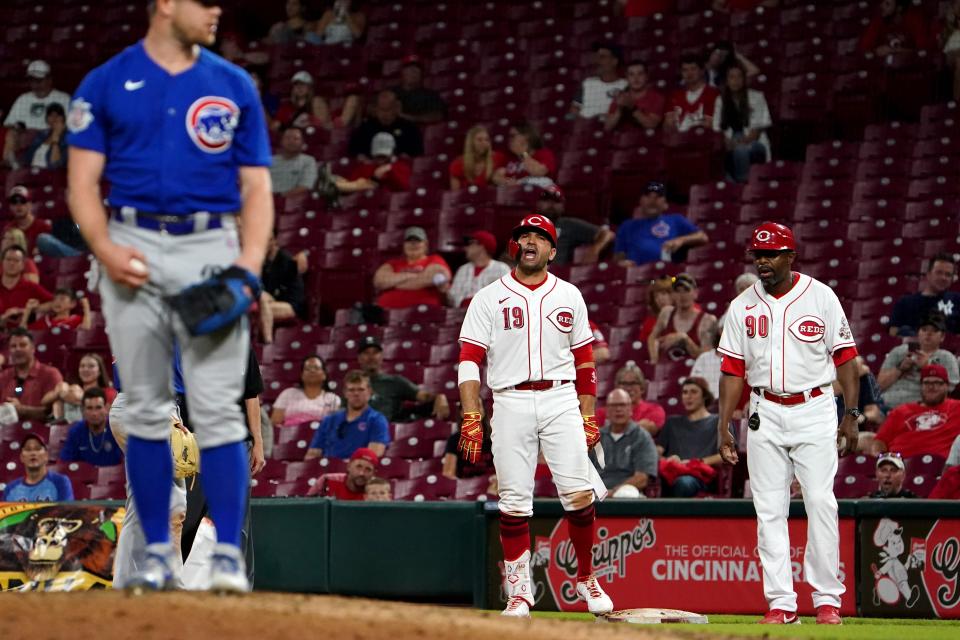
797, 439
527, 422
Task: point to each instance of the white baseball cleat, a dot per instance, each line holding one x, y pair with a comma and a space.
228, 571
156, 573
516, 584
597, 601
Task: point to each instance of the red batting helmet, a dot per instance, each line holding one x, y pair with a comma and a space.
772, 236
537, 223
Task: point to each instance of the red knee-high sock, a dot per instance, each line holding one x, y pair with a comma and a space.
580, 524
514, 536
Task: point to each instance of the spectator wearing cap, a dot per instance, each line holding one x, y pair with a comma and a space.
683, 329
386, 118
479, 160
926, 427
934, 297
890, 476
694, 103
653, 234
292, 171
528, 160
357, 426
90, 439
29, 110
478, 271
351, 484
311, 400
38, 483
60, 313
303, 108
572, 232
16, 293
382, 169
282, 297
418, 103
20, 200
49, 148
639, 104
414, 279
394, 396
596, 92
899, 377
341, 23
29, 385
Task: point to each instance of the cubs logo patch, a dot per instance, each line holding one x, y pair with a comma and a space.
808, 329
211, 122
562, 319
80, 115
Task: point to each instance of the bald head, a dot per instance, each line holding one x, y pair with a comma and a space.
619, 410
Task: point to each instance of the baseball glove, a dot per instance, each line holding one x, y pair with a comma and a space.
217, 302
186, 453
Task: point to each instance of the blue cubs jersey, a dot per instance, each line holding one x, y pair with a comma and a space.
173, 143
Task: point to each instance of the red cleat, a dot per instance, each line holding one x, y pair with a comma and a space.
779, 616
828, 615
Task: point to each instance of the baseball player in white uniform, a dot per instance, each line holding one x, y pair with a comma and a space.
533, 330
788, 337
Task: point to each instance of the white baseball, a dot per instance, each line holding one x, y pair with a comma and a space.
137, 265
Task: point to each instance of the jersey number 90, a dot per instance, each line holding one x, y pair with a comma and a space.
757, 326
512, 318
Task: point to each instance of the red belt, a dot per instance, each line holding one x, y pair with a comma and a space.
539, 385
790, 399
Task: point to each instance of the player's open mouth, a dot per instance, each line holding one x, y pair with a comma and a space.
529, 252
764, 272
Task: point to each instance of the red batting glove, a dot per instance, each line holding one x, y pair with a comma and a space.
592, 430
471, 437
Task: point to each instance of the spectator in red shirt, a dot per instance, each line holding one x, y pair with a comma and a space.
694, 103
528, 161
60, 313
644, 8
27, 384
648, 415
383, 169
352, 484
479, 161
21, 206
926, 427
640, 104
16, 292
416, 278
896, 27
14, 236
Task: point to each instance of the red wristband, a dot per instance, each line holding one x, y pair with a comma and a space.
586, 381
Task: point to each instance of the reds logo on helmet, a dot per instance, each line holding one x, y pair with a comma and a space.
772, 236
539, 223
211, 121
808, 329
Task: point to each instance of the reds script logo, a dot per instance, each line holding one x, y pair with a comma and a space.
562, 319
211, 121
927, 421
808, 328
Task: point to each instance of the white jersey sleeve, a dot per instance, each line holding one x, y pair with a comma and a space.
477, 326
731, 339
582, 333
838, 334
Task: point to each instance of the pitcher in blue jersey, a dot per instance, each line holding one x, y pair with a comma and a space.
179, 134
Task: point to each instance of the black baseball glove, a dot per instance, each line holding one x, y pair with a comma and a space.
217, 302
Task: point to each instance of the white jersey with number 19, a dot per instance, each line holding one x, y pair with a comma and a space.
528, 334
787, 343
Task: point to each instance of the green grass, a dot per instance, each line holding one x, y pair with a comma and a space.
853, 628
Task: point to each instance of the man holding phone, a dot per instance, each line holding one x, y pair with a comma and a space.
899, 377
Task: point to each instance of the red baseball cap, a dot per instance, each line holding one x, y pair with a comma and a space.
411, 59
772, 236
363, 453
485, 239
552, 192
934, 371
30, 435
19, 191
540, 224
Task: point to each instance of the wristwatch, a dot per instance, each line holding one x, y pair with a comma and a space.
856, 413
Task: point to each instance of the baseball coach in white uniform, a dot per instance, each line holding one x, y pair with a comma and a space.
788, 338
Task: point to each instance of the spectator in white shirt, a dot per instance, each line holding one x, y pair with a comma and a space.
292, 170
743, 117
597, 92
707, 364
479, 270
29, 110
